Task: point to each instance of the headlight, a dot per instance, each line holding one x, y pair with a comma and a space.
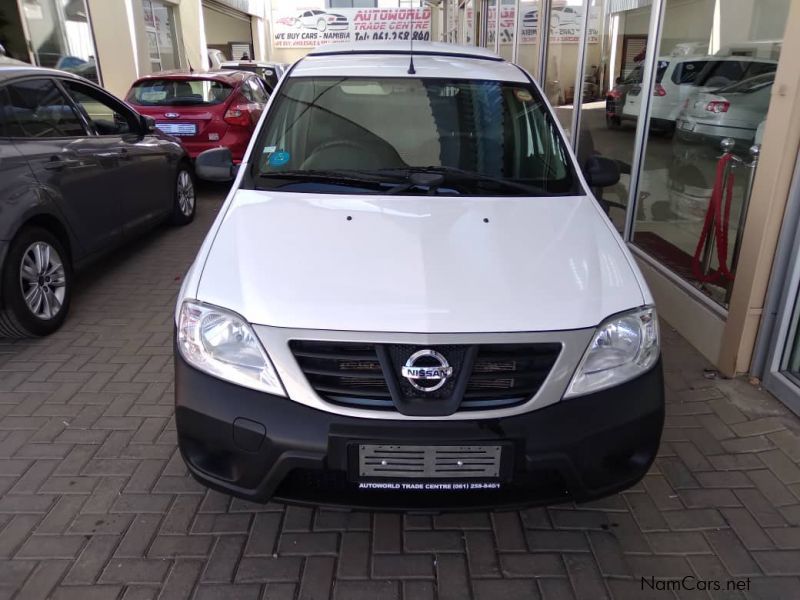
222, 344
623, 347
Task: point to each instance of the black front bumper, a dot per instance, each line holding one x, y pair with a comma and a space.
261, 447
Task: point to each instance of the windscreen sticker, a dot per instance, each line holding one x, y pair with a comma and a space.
153, 96
268, 149
523, 95
279, 158
429, 486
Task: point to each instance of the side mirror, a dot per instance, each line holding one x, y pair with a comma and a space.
601, 172
148, 124
215, 165
618, 80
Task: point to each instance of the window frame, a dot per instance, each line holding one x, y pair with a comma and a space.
121, 107
258, 83
87, 128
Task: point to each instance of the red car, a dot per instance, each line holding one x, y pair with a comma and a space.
203, 110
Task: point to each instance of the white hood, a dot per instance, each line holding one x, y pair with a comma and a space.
418, 264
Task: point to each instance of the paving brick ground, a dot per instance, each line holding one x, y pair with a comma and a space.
96, 503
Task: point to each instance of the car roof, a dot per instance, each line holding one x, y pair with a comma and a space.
229, 77
7, 71
392, 59
398, 47
247, 63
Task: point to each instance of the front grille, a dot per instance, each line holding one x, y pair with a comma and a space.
344, 372
355, 374
507, 374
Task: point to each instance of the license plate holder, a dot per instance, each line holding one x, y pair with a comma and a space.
440, 462
178, 129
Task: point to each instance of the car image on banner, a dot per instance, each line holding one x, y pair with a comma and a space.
321, 20
312, 27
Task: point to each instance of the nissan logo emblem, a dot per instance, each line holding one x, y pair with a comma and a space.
427, 370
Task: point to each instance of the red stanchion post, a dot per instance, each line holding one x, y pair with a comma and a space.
716, 224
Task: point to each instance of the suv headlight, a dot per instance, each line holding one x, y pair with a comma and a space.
623, 347
224, 345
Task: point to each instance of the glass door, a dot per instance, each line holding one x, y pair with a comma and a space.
162, 39
781, 335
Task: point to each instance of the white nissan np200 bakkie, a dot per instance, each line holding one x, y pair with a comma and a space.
411, 298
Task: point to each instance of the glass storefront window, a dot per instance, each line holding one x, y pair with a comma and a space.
528, 36
466, 19
715, 70
525, 35
613, 67
162, 39
563, 47
60, 35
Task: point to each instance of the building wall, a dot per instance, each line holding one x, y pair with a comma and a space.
116, 42
191, 32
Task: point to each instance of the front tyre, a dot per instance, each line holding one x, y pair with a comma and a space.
322, 25
36, 285
185, 196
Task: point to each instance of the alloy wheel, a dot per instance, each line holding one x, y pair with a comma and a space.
43, 280
185, 192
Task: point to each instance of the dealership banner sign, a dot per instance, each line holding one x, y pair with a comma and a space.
312, 27
565, 24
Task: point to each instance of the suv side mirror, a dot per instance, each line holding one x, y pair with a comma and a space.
215, 165
148, 124
601, 172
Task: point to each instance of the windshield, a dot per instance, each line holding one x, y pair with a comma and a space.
748, 86
378, 135
720, 73
267, 74
179, 92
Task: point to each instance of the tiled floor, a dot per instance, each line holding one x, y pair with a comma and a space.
95, 501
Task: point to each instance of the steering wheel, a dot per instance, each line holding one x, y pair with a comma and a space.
344, 154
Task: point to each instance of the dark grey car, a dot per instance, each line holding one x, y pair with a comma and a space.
80, 173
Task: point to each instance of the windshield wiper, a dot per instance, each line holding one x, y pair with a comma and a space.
432, 181
454, 175
334, 176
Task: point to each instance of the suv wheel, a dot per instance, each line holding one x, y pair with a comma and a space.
185, 196
36, 285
